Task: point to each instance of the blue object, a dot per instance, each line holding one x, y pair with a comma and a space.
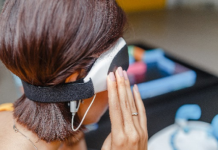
185, 112
131, 59
131, 55
154, 55
189, 111
214, 125
192, 111
167, 84
172, 79
172, 140
167, 65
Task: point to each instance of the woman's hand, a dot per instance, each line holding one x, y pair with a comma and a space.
129, 132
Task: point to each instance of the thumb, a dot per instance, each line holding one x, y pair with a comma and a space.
107, 143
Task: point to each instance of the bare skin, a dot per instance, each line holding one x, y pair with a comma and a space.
10, 140
16, 141
125, 127
128, 132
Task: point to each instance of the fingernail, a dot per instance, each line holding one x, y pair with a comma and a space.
125, 75
120, 71
112, 77
136, 88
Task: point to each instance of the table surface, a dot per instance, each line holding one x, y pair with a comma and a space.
161, 112
161, 109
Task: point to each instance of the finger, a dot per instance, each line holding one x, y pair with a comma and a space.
124, 104
107, 143
114, 105
131, 99
133, 108
140, 108
129, 93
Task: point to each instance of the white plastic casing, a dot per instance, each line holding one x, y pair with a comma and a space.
99, 71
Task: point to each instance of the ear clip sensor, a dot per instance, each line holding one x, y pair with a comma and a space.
74, 107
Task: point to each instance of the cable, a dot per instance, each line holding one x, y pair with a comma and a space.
73, 115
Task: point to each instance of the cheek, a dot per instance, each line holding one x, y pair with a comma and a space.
98, 108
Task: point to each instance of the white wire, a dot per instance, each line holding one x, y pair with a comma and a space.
83, 116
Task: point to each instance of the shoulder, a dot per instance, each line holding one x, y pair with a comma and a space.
7, 140
4, 123
6, 117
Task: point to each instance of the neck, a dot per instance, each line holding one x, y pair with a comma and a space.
40, 144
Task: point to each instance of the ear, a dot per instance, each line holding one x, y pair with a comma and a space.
72, 77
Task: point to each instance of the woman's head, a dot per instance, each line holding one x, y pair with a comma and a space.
46, 41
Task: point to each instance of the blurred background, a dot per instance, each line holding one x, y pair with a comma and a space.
187, 30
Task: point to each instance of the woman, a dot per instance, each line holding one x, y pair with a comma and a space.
49, 42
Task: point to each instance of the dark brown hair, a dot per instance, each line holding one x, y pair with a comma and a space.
45, 41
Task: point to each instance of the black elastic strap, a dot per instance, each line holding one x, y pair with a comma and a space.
60, 93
